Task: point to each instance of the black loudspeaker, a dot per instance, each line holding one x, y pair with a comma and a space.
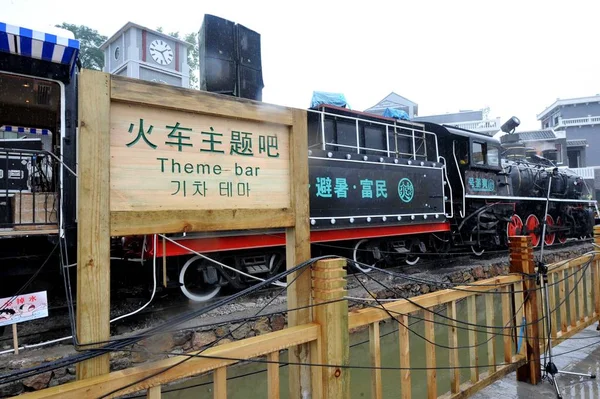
218, 54
250, 80
230, 59
250, 83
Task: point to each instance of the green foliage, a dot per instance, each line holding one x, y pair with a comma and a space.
93, 58
90, 40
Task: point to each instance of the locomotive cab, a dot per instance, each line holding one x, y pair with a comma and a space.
476, 182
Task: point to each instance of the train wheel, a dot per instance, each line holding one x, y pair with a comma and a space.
192, 281
412, 258
532, 223
515, 226
363, 256
276, 261
561, 235
549, 239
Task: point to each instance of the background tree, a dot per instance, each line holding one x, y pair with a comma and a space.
193, 55
90, 41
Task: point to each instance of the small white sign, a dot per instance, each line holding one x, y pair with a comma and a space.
23, 308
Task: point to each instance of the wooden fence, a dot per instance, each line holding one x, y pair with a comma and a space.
573, 291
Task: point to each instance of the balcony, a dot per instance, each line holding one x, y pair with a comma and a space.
588, 120
483, 126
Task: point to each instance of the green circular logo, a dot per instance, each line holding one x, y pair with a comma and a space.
406, 190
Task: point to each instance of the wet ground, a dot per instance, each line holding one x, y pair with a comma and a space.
579, 354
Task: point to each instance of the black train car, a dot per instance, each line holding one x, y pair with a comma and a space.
375, 176
498, 191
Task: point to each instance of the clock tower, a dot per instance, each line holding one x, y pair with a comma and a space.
138, 52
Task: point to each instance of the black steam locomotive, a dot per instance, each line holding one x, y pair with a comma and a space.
382, 190
385, 191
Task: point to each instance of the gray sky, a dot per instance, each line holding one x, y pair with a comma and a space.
516, 57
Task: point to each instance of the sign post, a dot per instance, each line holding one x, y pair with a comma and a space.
158, 159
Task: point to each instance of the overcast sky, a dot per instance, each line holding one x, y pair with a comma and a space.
516, 57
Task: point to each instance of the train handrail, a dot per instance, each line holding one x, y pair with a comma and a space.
440, 159
463, 211
413, 130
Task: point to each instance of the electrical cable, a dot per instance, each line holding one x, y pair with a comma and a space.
91, 353
432, 321
31, 279
277, 283
212, 344
71, 310
445, 285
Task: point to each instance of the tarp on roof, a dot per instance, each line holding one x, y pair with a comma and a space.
325, 98
395, 113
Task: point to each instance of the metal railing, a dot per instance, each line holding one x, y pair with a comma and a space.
586, 173
28, 190
487, 125
401, 140
588, 120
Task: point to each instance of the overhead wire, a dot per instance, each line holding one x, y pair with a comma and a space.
213, 343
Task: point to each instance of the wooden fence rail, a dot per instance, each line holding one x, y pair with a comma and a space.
574, 302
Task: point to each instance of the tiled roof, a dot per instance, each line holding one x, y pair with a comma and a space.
577, 143
536, 135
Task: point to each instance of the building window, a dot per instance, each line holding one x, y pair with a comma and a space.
559, 158
555, 120
574, 157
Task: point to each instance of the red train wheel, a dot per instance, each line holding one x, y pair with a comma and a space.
549, 239
532, 224
515, 226
561, 235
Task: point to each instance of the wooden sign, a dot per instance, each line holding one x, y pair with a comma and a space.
164, 159
181, 160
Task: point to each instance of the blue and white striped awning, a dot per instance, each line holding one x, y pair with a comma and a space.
43, 46
30, 130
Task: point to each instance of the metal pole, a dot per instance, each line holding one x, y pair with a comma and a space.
544, 221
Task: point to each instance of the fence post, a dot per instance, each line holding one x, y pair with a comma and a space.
521, 261
329, 284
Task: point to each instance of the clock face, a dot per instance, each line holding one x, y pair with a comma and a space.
161, 52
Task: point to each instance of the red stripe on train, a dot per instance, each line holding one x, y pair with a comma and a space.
229, 243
